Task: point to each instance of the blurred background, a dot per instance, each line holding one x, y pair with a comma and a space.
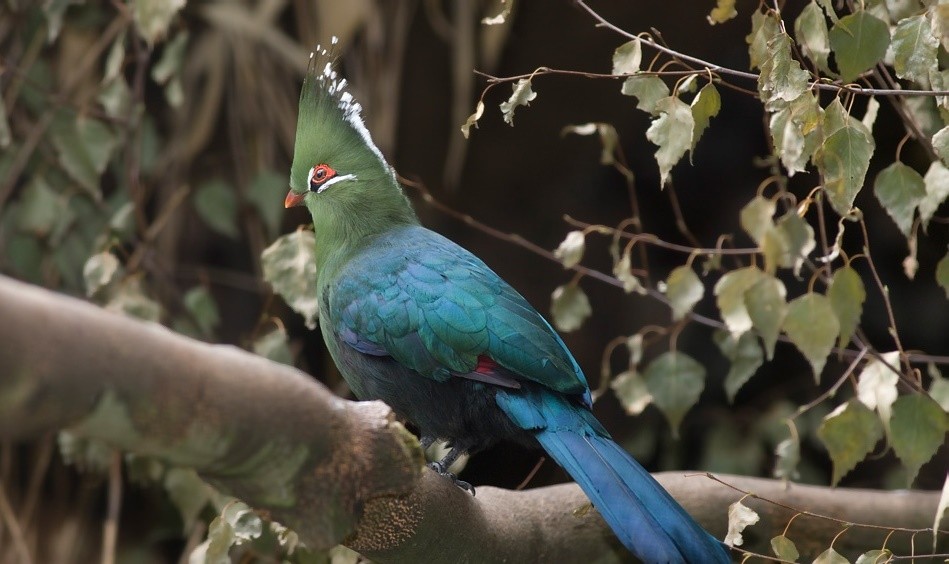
163, 134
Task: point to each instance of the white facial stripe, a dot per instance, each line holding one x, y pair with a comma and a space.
334, 180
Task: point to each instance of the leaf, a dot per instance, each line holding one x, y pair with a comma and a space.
767, 309
675, 381
188, 493
130, 299
723, 11
781, 79
631, 391
672, 132
172, 57
273, 346
730, 297
100, 269
502, 16
810, 30
745, 356
648, 90
266, 193
42, 211
939, 388
858, 41
764, 27
914, 49
783, 547
830, 556
788, 453
812, 327
85, 146
739, 517
843, 159
570, 307
706, 105
918, 429
623, 270
846, 294
608, 138
472, 119
153, 17
684, 290
870, 117
571, 249
202, 309
795, 133
875, 556
628, 57
940, 510
289, 265
756, 217
788, 244
900, 189
942, 273
849, 432
936, 182
216, 203
941, 144
116, 98
522, 96
876, 385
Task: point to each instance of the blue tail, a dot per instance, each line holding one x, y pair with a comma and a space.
644, 517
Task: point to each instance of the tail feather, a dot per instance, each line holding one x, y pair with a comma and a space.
645, 518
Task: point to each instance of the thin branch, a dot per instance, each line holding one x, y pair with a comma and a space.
9, 520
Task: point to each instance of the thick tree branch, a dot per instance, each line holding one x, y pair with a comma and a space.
339, 471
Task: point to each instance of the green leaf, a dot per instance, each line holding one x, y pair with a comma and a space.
85, 146
783, 547
87, 454
939, 388
810, 30
648, 90
723, 11
764, 27
472, 120
876, 386
795, 133
900, 189
167, 71
788, 453
203, 309
843, 159
266, 193
631, 391
684, 290
116, 98
936, 182
740, 516
830, 556
859, 41
941, 144
153, 17
289, 265
918, 429
781, 79
570, 307
875, 556
188, 493
100, 269
274, 346
216, 203
570, 251
942, 273
675, 381
812, 327
914, 49
672, 132
849, 432
847, 294
705, 106
627, 57
756, 217
730, 297
788, 244
767, 309
42, 211
623, 270
129, 298
745, 356
522, 96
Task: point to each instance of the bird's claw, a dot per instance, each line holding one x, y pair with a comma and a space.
441, 470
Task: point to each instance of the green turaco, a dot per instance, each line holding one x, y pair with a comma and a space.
418, 322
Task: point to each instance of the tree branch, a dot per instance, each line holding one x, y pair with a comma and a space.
339, 471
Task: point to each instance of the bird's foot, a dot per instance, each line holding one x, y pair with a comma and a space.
443, 471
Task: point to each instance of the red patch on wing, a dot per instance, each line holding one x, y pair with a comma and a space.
485, 365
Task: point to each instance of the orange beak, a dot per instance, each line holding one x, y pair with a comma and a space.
293, 199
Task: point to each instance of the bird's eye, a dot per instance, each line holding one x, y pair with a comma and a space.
319, 175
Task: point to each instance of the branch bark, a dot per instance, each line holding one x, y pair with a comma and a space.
340, 471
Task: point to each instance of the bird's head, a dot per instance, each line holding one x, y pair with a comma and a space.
338, 173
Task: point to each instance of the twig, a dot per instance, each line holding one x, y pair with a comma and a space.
9, 519
110, 529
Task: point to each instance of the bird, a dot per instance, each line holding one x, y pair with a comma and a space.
417, 321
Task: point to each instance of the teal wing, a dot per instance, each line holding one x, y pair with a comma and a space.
439, 310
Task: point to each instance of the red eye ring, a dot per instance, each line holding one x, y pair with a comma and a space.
320, 174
